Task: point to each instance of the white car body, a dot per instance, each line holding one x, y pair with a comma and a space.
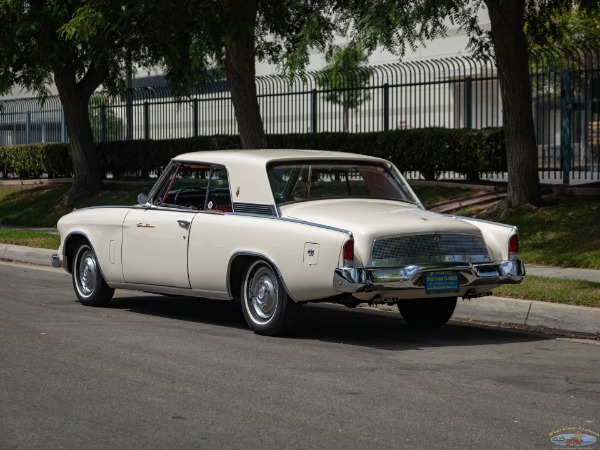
199, 250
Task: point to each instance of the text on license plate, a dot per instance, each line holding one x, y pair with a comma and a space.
441, 282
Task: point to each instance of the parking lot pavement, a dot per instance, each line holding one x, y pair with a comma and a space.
497, 310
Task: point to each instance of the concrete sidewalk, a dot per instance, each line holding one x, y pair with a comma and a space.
498, 310
565, 273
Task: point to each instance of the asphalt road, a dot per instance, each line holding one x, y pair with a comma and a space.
172, 372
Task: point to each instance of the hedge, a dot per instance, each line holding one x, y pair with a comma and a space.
33, 160
429, 151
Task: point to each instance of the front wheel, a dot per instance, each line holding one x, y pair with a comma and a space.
90, 287
267, 308
427, 313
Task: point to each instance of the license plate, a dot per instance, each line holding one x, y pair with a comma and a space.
441, 283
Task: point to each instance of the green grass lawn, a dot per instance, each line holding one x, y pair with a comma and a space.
37, 239
562, 232
40, 206
571, 292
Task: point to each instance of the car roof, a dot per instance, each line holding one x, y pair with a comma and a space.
247, 168
262, 157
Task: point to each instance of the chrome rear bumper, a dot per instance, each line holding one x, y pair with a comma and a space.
476, 277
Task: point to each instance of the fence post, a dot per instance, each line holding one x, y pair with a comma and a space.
386, 107
314, 110
566, 106
129, 114
146, 120
103, 123
28, 127
469, 102
195, 108
63, 126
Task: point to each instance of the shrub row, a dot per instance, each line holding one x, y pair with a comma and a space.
33, 160
429, 151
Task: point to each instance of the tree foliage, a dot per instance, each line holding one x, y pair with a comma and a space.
233, 34
78, 45
396, 24
344, 78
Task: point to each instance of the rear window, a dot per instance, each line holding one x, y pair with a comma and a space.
303, 181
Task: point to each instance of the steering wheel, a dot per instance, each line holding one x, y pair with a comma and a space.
201, 191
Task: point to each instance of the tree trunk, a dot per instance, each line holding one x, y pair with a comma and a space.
240, 17
512, 61
87, 177
346, 117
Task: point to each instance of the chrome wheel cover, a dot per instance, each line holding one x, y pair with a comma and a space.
87, 272
262, 294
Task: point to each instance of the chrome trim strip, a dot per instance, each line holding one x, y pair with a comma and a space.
221, 213
351, 280
170, 290
107, 207
488, 222
287, 219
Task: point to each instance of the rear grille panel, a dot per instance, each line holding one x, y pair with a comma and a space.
428, 249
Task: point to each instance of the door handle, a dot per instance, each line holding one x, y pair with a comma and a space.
183, 224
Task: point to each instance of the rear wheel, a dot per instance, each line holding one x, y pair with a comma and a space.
90, 287
427, 313
267, 308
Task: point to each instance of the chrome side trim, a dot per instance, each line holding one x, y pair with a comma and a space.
287, 219
213, 295
351, 280
488, 222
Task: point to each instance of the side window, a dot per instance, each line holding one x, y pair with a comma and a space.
186, 187
197, 187
219, 198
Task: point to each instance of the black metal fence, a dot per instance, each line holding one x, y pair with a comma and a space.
456, 92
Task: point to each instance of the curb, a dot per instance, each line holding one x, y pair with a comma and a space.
530, 313
497, 310
18, 253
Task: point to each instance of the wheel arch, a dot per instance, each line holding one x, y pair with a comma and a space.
72, 241
239, 262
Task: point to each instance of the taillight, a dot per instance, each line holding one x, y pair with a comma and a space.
349, 253
513, 247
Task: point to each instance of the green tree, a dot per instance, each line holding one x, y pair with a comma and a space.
37, 47
396, 24
233, 34
344, 78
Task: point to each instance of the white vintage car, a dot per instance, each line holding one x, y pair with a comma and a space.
279, 228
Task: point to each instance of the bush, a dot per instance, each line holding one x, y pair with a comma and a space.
429, 151
30, 161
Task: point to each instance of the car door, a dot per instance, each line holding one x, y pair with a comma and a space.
155, 247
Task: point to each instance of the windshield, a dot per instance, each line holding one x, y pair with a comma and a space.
312, 180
